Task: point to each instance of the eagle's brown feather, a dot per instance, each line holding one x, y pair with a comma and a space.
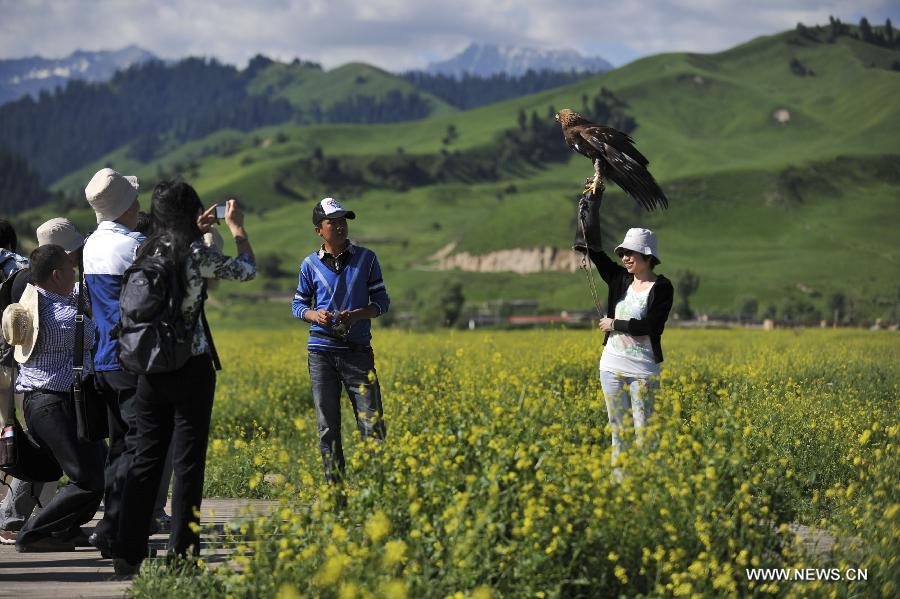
614, 155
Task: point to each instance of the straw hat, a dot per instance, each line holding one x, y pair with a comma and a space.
111, 194
62, 232
20, 324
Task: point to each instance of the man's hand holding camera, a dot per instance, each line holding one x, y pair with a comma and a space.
320, 317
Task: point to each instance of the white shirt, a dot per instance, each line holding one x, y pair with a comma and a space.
630, 355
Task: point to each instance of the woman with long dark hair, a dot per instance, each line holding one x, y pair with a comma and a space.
176, 406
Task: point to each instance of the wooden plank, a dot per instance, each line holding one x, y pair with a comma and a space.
83, 573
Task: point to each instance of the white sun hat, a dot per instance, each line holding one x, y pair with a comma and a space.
20, 324
111, 194
62, 232
642, 241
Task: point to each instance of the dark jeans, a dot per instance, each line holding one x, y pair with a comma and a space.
50, 417
117, 388
172, 406
327, 371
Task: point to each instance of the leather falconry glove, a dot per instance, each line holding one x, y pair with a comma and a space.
587, 222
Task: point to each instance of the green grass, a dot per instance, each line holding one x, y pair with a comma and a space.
757, 208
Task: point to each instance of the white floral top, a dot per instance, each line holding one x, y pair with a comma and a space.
208, 263
629, 354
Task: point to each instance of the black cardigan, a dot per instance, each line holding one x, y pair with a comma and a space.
659, 302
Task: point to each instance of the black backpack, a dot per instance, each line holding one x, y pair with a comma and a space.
6, 298
152, 333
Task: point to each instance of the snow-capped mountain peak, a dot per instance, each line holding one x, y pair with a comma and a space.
31, 75
490, 59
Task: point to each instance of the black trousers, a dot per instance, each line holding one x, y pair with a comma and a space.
117, 388
173, 406
50, 417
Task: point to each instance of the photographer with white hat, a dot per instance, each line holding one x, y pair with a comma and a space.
637, 308
108, 252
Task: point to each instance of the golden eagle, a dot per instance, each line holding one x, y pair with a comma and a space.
614, 156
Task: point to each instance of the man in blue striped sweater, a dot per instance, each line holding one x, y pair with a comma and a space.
107, 254
340, 291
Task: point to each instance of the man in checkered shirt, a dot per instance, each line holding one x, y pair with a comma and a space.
46, 378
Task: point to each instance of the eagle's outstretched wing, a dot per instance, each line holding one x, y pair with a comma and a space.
625, 166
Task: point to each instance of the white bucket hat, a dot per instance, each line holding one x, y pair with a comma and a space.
111, 194
642, 241
62, 232
20, 324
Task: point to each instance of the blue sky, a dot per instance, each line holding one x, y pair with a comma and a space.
404, 34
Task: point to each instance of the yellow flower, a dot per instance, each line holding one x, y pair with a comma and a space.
331, 570
482, 592
287, 591
394, 589
348, 591
378, 526
394, 553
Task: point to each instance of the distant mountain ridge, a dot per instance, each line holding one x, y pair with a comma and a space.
485, 60
31, 75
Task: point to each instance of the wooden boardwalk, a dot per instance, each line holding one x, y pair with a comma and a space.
83, 573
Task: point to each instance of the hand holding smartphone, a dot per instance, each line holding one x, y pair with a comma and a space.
220, 212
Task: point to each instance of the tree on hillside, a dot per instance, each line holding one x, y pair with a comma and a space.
442, 305
799, 312
451, 135
269, 266
687, 284
747, 308
865, 30
20, 187
837, 303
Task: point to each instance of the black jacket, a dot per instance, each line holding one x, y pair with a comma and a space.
659, 302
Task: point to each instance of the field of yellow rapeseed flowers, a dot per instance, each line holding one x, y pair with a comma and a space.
495, 480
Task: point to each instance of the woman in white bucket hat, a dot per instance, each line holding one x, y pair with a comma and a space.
637, 308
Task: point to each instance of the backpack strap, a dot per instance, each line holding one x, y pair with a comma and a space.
3, 261
78, 355
209, 339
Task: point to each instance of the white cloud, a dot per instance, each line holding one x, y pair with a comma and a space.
400, 34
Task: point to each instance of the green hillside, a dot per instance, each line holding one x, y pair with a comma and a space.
780, 211
303, 85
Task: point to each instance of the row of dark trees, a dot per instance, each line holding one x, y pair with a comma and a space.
60, 132
471, 91
19, 186
884, 36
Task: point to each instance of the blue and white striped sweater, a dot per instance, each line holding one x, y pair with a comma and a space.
359, 284
108, 253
